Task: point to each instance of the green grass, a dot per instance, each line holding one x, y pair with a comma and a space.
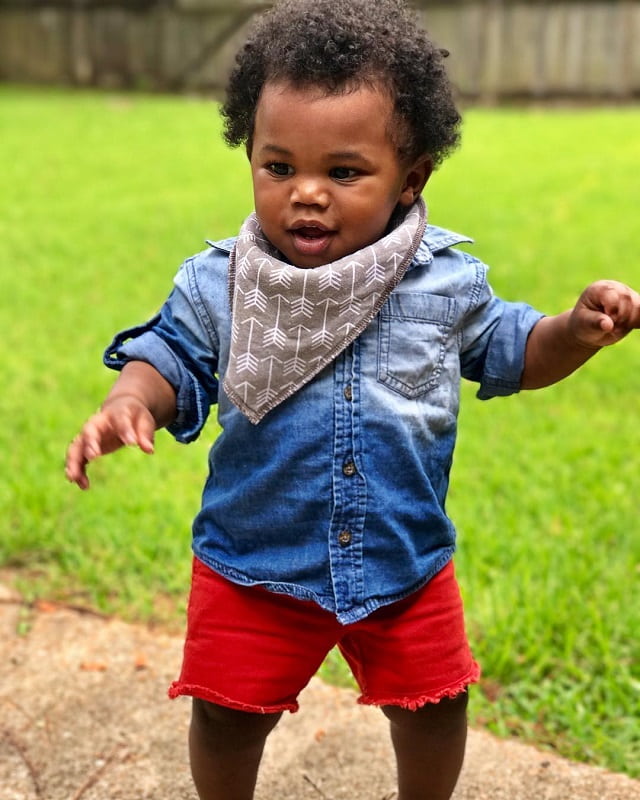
102, 197
545, 485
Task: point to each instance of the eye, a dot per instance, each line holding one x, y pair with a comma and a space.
343, 173
280, 169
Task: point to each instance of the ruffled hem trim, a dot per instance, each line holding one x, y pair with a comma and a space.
178, 689
414, 702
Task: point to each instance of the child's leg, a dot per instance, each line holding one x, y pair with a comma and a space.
225, 747
246, 649
429, 744
414, 654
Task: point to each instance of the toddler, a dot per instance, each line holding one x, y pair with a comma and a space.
332, 334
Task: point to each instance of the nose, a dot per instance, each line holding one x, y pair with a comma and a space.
309, 191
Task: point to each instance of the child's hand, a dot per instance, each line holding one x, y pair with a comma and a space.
123, 420
605, 312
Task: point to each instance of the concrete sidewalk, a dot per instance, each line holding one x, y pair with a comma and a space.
84, 717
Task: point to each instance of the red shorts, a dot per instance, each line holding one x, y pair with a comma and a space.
255, 650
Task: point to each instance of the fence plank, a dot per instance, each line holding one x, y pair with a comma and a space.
222, 5
520, 71
578, 48
633, 56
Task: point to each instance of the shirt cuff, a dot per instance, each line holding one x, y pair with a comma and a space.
504, 365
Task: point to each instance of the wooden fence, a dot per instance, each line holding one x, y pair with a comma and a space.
499, 49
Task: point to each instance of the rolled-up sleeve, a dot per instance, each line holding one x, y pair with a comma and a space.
494, 342
183, 350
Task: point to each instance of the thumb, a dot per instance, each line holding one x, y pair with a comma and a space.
605, 323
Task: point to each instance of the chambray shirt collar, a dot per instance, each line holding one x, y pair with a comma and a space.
435, 241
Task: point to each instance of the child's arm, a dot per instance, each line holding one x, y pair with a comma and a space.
140, 401
605, 312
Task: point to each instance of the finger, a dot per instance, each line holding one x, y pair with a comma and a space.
624, 309
143, 428
76, 464
124, 428
94, 440
82, 481
106, 432
145, 442
135, 427
629, 309
93, 436
611, 299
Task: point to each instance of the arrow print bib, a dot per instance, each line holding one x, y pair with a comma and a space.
288, 323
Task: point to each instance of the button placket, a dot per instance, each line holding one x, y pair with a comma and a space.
345, 543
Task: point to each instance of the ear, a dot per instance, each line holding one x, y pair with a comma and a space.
416, 178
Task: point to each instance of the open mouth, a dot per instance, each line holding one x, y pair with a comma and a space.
311, 233
310, 240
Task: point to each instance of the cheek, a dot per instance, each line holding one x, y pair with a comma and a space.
267, 209
267, 192
263, 200
374, 213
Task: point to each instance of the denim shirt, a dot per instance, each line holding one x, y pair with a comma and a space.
338, 494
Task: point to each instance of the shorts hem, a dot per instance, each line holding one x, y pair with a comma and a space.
414, 702
178, 689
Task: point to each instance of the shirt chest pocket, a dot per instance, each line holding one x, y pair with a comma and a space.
414, 331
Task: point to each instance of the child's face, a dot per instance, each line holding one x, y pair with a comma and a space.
326, 175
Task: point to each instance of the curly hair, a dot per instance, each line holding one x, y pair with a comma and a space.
340, 45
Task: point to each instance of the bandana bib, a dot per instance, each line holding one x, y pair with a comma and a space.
288, 323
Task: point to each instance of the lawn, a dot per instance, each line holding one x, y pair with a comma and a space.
102, 197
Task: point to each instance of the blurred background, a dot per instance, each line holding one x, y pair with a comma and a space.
500, 48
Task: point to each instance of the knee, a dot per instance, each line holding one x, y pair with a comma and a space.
220, 721
446, 715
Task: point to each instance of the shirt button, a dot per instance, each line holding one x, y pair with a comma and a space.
348, 392
349, 469
344, 537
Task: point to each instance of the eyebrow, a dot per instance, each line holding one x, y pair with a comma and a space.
274, 148
348, 155
339, 155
